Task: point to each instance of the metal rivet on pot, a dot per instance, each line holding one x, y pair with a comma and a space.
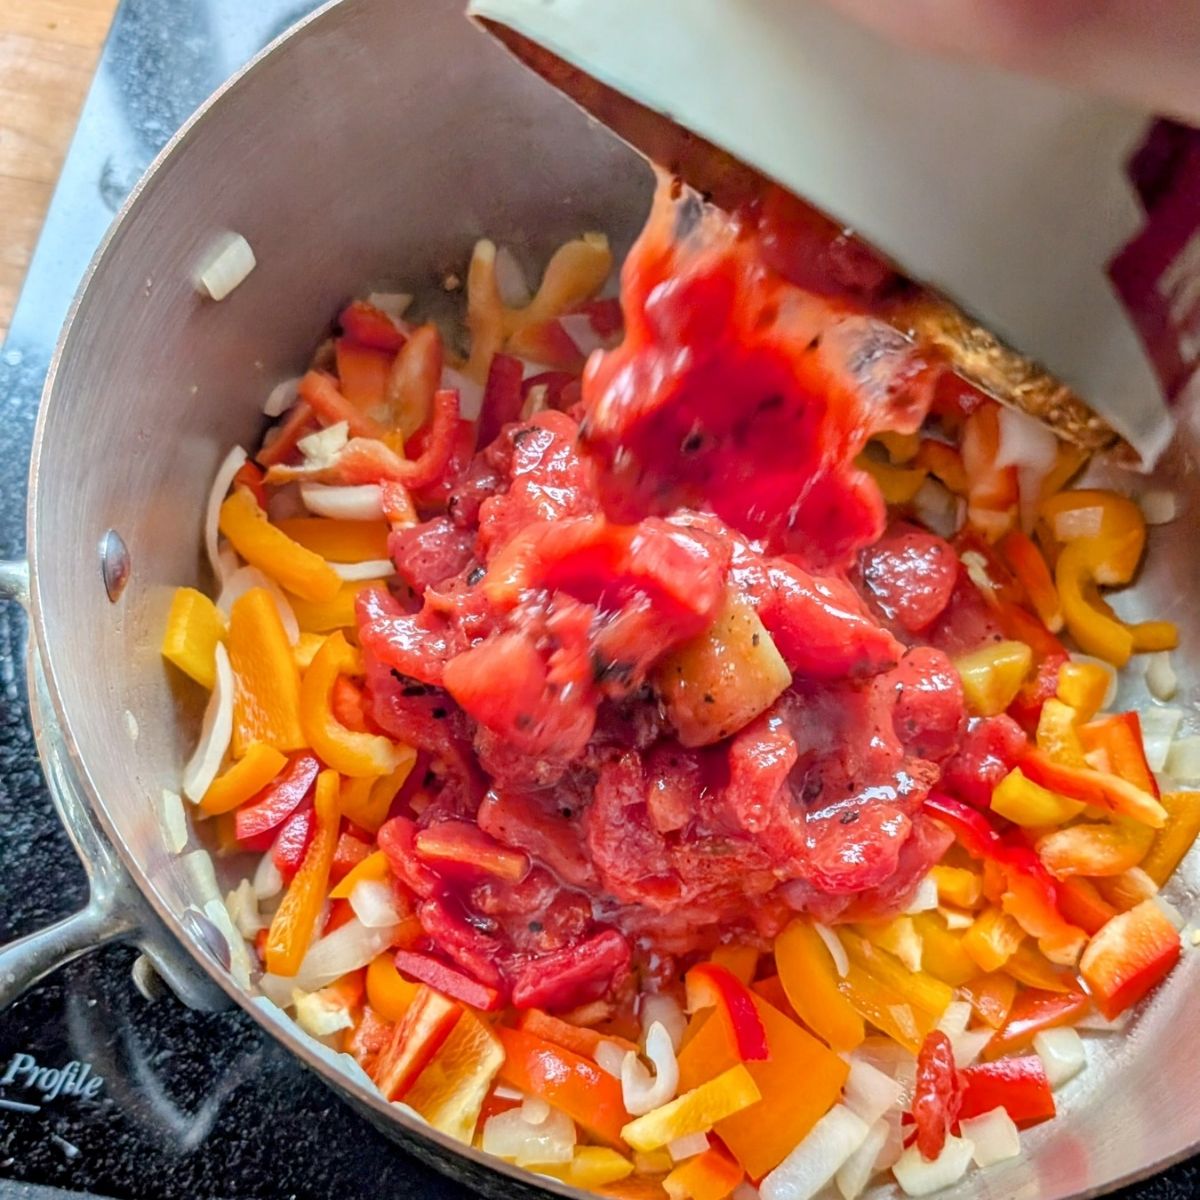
208, 935
115, 564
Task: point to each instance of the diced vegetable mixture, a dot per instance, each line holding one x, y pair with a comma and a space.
675, 736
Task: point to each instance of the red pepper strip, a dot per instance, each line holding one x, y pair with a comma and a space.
463, 848
710, 985
1018, 1085
937, 1094
502, 397
1101, 789
1083, 905
1032, 1012
348, 853
605, 316
427, 1023
296, 424
427, 969
1120, 737
397, 839
1022, 626
292, 842
249, 475
321, 391
1027, 563
1129, 956
441, 433
371, 326
340, 913
279, 799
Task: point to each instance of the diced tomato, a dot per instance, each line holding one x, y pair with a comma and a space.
909, 575
1018, 1085
1132, 954
573, 975
447, 980
370, 326
280, 798
937, 1094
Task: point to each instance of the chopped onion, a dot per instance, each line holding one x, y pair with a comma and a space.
1170, 911
1183, 760
535, 1110
1159, 726
395, 304
226, 265
610, 1058
663, 1009
374, 904
281, 397
245, 578
1110, 693
375, 568
503, 1092
579, 328
924, 900
969, 1045
994, 1136
936, 507
215, 733
855, 1173
222, 482
363, 502
639, 1090
955, 919
919, 1178
1161, 679
268, 882
687, 1146
1062, 1054
320, 449
893, 1060
1159, 507
175, 827
535, 402
815, 1161
242, 906
1031, 447
510, 280
347, 948
508, 1135
956, 1018
318, 1016
745, 1191
470, 394
870, 1092
833, 943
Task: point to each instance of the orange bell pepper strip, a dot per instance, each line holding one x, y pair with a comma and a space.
1058, 733
261, 544
740, 961
298, 422
1120, 737
372, 868
338, 541
320, 392
428, 1022
337, 613
1089, 621
992, 939
901, 448
352, 753
592, 1168
579, 1039
1175, 838
1094, 849
1127, 890
362, 373
1035, 970
266, 697
1152, 636
991, 996
711, 1175
294, 921
194, 629
808, 976
1083, 686
942, 953
1098, 789
886, 1009
256, 768
1114, 525
415, 378
957, 886
916, 987
1129, 956
1033, 1012
772, 991
1083, 905
1026, 562
388, 992
564, 1080
1023, 802
945, 463
577, 270
897, 485
988, 486
696, 1111
366, 801
710, 985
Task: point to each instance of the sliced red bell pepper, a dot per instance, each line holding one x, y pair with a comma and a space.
250, 475
437, 974
362, 373
1129, 956
278, 800
1032, 1012
604, 316
370, 326
340, 913
1083, 905
427, 1023
712, 986
1100, 789
937, 1094
556, 384
293, 839
1120, 737
321, 392
433, 442
502, 397
348, 853
299, 421
1018, 1085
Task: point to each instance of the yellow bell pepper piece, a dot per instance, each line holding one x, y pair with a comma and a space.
810, 982
1030, 966
901, 447
1089, 620
696, 1111
373, 867
1175, 838
194, 628
1083, 686
388, 992
257, 767
305, 650
295, 920
1058, 731
740, 961
897, 485
346, 750
338, 541
265, 546
898, 937
366, 800
943, 955
266, 698
576, 271
1152, 636
1114, 526
992, 939
1026, 803
959, 887
327, 615
916, 987
992, 676
882, 1006
592, 1167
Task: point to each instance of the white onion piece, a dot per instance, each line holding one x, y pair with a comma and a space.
610, 1058
1161, 679
639, 1090
222, 481
242, 906
318, 1016
893, 1060
363, 502
508, 1135
175, 827
994, 1136
925, 899
955, 919
1169, 911
833, 943
579, 328
504, 1092
969, 1045
510, 280
1159, 507
245, 578
1110, 693
745, 1191
1032, 448
664, 1010
267, 882
815, 1161
375, 568
936, 507
1183, 760
225, 266
470, 393
374, 904
870, 1092
1159, 726
535, 402
687, 1146
534, 1110
855, 1173
347, 948
1062, 1054
321, 448
215, 733
395, 304
956, 1018
228, 561
919, 1178
281, 397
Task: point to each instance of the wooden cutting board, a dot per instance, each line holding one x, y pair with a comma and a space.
48, 51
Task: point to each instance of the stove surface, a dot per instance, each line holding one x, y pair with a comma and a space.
102, 1092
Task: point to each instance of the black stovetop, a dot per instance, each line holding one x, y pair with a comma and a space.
189, 1106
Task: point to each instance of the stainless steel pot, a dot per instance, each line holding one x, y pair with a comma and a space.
371, 144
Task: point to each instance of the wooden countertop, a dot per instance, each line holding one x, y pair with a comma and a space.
48, 51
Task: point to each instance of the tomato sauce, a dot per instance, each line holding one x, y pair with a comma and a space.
710, 461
